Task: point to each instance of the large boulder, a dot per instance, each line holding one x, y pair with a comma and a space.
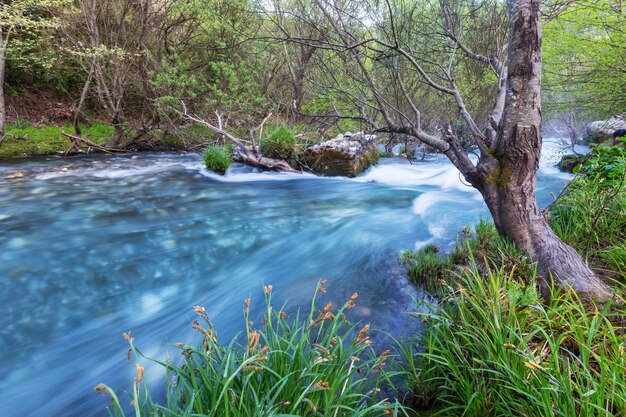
346, 155
601, 130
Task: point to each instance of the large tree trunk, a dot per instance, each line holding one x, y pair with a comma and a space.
509, 179
515, 213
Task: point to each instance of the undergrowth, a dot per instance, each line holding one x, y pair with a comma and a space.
280, 144
482, 243
315, 365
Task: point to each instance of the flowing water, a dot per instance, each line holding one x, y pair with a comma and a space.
95, 246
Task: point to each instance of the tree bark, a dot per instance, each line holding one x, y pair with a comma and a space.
509, 178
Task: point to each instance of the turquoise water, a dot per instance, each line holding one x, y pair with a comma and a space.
95, 246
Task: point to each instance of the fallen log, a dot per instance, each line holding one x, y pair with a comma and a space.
268, 164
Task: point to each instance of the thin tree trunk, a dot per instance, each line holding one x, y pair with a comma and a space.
2, 104
83, 96
509, 188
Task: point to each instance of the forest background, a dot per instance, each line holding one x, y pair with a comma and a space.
117, 71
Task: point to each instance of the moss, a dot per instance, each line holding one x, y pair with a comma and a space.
500, 177
366, 162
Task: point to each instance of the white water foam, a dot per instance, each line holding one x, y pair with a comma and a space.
238, 176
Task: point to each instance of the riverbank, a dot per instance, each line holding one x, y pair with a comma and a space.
24, 140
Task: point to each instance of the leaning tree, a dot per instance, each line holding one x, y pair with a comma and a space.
509, 139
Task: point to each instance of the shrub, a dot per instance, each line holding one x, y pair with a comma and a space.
491, 348
217, 159
318, 365
280, 144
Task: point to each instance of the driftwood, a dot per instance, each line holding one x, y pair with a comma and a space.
242, 152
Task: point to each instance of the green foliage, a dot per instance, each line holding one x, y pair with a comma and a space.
583, 53
217, 159
280, 144
21, 124
28, 29
491, 348
591, 216
318, 365
427, 266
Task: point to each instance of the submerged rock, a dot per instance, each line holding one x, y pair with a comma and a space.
345, 155
601, 130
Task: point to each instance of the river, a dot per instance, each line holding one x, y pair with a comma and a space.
95, 246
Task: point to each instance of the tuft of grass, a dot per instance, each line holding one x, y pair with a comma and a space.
316, 365
492, 347
217, 159
427, 266
280, 144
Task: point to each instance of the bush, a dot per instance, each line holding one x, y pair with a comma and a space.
318, 365
217, 159
491, 348
280, 144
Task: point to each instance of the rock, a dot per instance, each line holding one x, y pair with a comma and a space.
571, 161
345, 155
601, 130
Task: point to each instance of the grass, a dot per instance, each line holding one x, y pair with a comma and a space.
23, 139
314, 365
591, 216
492, 347
480, 245
426, 266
